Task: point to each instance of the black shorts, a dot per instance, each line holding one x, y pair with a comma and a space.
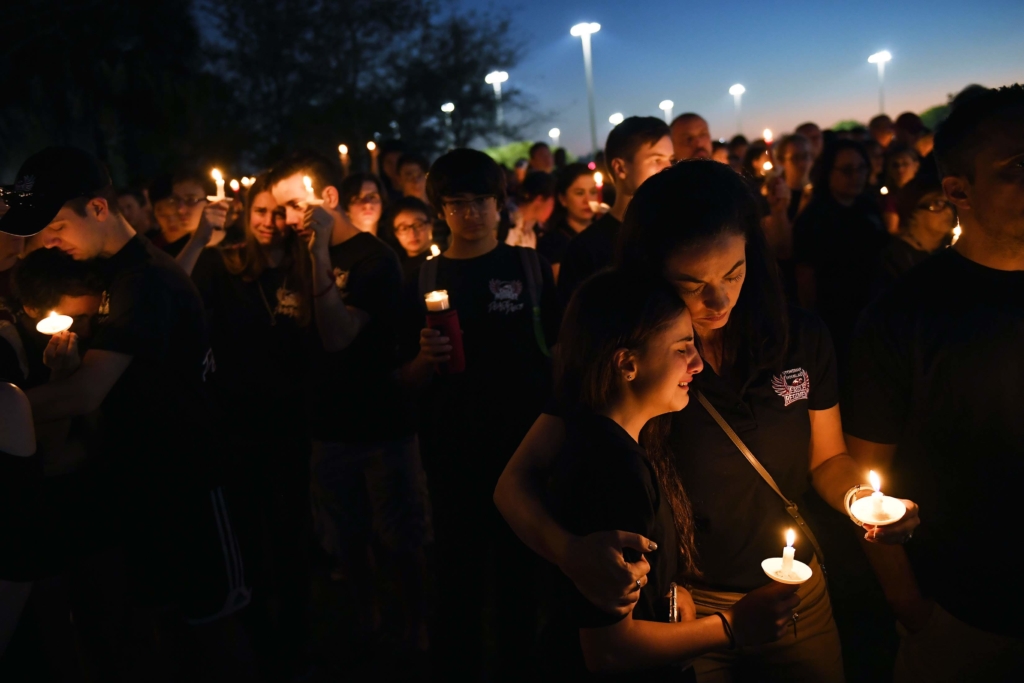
183, 553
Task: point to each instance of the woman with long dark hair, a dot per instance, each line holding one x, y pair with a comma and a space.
258, 299
573, 212
624, 364
769, 375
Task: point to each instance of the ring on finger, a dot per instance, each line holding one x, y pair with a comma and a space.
638, 584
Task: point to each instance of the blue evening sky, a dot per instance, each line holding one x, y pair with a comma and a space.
798, 60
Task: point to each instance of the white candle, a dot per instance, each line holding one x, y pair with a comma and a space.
437, 301
788, 553
876, 498
234, 185
54, 323
219, 179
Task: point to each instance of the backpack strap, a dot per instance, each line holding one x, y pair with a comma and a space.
534, 283
428, 277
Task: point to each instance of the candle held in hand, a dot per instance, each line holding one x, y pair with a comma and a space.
437, 301
599, 181
219, 179
877, 499
435, 251
311, 199
788, 553
54, 323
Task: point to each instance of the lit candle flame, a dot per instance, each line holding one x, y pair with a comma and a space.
435, 250
343, 149
768, 136
308, 182
790, 537
957, 231
215, 174
876, 482
371, 145
767, 166
234, 185
884, 191
598, 179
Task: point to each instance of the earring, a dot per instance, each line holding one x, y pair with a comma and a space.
629, 378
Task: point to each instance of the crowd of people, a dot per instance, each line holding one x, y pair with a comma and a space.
532, 422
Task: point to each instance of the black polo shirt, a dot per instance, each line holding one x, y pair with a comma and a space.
587, 253
937, 368
739, 519
354, 396
157, 421
602, 481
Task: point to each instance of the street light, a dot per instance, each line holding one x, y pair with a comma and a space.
737, 93
554, 134
496, 78
666, 106
448, 108
616, 118
880, 58
584, 31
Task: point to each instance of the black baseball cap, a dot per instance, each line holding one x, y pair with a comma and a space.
45, 182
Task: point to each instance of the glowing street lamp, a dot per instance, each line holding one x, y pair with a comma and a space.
737, 94
616, 118
496, 78
554, 134
584, 31
666, 106
448, 108
880, 58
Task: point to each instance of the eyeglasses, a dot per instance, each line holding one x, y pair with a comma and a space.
860, 169
187, 202
418, 226
479, 204
368, 199
937, 206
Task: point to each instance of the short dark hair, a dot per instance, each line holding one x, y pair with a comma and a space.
961, 135
537, 146
135, 192
352, 185
880, 121
79, 203
412, 158
627, 138
44, 276
162, 186
684, 117
780, 148
537, 184
322, 171
738, 139
410, 204
465, 171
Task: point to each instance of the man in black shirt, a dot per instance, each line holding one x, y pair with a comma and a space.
636, 149
365, 467
148, 363
937, 386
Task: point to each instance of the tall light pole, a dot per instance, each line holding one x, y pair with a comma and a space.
666, 106
880, 58
554, 134
737, 95
496, 78
448, 108
584, 31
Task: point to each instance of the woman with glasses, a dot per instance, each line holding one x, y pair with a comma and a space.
414, 233
837, 241
179, 201
363, 195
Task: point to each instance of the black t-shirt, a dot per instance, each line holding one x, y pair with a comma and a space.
739, 520
937, 369
8, 307
410, 264
156, 423
555, 240
602, 481
842, 245
171, 248
587, 253
258, 341
354, 393
474, 420
898, 257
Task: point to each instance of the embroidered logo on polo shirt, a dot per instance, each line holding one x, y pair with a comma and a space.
792, 385
506, 296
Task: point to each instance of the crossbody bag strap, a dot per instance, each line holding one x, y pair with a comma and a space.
791, 507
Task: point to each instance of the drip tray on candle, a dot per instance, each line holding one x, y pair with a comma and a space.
773, 568
892, 511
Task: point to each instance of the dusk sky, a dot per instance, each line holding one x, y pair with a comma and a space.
798, 60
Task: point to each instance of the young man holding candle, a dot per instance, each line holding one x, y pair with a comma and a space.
472, 421
636, 149
367, 479
149, 359
935, 396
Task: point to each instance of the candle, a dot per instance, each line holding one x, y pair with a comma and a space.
311, 199
957, 231
54, 323
768, 135
234, 185
599, 181
343, 153
788, 553
219, 179
884, 191
767, 166
877, 498
437, 301
435, 251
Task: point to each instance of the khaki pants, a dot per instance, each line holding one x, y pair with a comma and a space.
813, 654
947, 649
